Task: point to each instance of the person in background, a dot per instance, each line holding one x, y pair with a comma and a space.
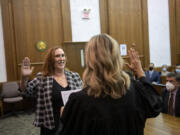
171, 95
152, 75
164, 70
47, 87
177, 69
110, 103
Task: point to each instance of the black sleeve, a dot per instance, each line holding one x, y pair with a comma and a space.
71, 115
147, 98
158, 78
165, 97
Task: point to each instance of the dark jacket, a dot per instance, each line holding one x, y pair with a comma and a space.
155, 77
42, 88
87, 115
165, 96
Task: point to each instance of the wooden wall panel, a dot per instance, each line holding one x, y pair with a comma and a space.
178, 30
9, 40
103, 5
145, 35
66, 18
36, 20
30, 21
127, 23
174, 12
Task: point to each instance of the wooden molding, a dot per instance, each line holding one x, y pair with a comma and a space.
75, 42
127, 57
66, 20
103, 6
146, 33
9, 39
174, 13
115, 23
33, 63
172, 17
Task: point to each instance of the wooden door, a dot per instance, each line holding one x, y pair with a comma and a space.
75, 52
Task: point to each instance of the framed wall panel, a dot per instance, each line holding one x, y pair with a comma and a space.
174, 12
127, 22
66, 18
26, 22
9, 39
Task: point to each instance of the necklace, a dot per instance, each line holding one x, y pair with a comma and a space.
61, 80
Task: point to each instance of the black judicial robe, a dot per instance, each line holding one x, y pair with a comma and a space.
87, 115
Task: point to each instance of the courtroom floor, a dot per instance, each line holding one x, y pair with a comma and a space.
18, 124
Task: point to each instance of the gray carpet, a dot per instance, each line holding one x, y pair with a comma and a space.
19, 124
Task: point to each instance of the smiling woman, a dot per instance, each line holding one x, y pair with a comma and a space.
47, 87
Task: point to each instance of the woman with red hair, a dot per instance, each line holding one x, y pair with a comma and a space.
47, 87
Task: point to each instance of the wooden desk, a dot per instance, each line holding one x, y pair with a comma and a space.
164, 124
159, 87
1, 107
163, 79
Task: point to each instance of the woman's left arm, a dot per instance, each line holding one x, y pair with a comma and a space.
149, 99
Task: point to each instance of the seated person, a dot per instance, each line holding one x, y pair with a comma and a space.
171, 95
177, 69
164, 70
152, 76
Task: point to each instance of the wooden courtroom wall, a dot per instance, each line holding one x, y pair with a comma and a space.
174, 8
127, 22
30, 21
25, 22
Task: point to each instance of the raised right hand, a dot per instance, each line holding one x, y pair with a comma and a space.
135, 63
26, 69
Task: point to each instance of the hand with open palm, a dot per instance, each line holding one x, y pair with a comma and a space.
26, 69
135, 63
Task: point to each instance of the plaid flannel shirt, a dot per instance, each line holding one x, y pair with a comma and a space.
41, 87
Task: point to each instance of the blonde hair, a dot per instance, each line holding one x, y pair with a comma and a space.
104, 68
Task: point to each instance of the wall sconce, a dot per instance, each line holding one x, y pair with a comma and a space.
86, 12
